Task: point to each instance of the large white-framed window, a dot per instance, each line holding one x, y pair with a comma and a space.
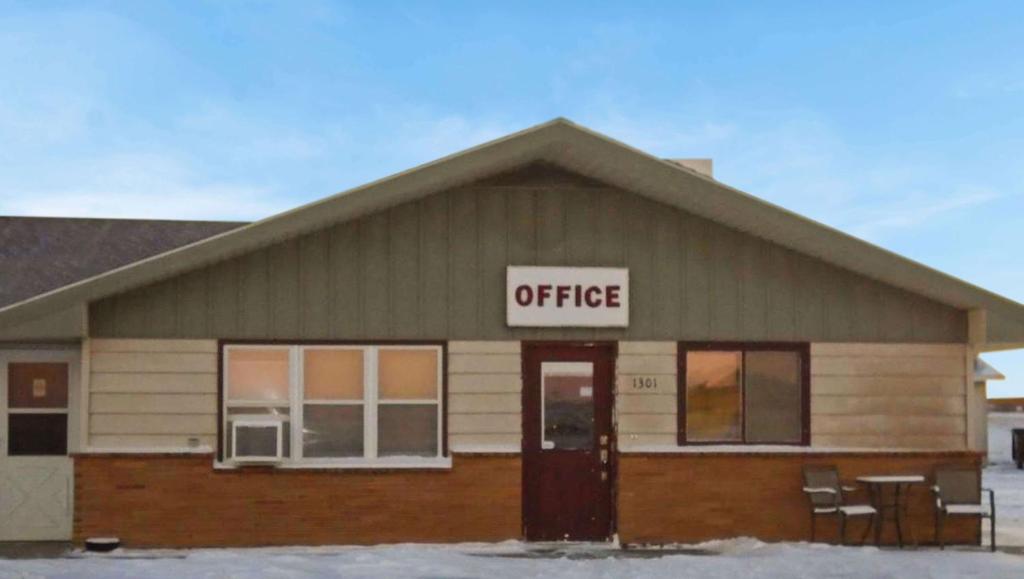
341, 405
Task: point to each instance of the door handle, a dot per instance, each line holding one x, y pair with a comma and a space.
604, 456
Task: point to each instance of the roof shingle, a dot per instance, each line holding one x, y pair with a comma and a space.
40, 254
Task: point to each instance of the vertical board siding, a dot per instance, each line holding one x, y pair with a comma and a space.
492, 256
346, 295
224, 294
697, 276
781, 301
435, 269
640, 260
889, 396
433, 259
284, 289
667, 274
314, 273
463, 266
404, 273
192, 312
255, 295
374, 267
152, 394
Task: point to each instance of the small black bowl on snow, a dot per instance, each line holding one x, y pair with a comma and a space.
102, 544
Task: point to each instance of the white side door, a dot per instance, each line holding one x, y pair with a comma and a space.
38, 426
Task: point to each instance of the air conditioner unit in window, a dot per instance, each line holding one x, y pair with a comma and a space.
256, 439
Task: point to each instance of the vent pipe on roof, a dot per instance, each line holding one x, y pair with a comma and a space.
702, 166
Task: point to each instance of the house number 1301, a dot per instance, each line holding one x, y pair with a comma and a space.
645, 383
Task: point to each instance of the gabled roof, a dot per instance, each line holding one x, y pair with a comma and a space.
576, 149
41, 254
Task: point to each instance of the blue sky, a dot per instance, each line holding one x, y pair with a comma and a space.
901, 123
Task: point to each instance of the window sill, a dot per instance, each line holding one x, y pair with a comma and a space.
779, 449
721, 448
442, 463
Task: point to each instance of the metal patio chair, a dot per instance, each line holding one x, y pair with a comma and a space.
826, 496
958, 494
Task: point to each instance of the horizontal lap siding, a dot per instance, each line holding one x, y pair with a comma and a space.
152, 393
161, 393
646, 416
484, 396
435, 269
888, 396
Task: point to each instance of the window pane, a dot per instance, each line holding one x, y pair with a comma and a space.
713, 396
408, 374
773, 397
282, 413
407, 430
333, 374
257, 440
258, 374
568, 398
37, 434
332, 431
40, 385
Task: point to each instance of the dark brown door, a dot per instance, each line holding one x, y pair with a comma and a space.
568, 443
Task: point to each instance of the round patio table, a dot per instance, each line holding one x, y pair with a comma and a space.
897, 507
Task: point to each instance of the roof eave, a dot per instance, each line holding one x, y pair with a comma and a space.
574, 148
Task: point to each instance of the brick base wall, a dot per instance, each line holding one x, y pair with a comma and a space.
181, 501
688, 498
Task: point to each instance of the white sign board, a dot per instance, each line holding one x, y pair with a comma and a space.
567, 296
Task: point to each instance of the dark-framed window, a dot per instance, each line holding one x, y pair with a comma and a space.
744, 393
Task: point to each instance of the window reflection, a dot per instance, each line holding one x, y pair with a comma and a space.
568, 398
713, 396
773, 397
258, 374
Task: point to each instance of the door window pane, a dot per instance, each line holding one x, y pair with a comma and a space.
407, 430
773, 397
258, 374
37, 385
408, 374
568, 398
713, 396
333, 374
332, 431
37, 434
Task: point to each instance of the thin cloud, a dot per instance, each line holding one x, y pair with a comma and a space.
916, 213
143, 186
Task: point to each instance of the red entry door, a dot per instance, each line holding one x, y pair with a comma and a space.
568, 443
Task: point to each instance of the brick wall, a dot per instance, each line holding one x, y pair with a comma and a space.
180, 501
695, 497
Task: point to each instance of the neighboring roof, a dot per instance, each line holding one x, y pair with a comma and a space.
576, 149
1006, 404
984, 371
40, 254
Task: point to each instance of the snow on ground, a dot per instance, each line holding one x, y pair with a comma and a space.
1003, 477
735, 559
1008, 484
